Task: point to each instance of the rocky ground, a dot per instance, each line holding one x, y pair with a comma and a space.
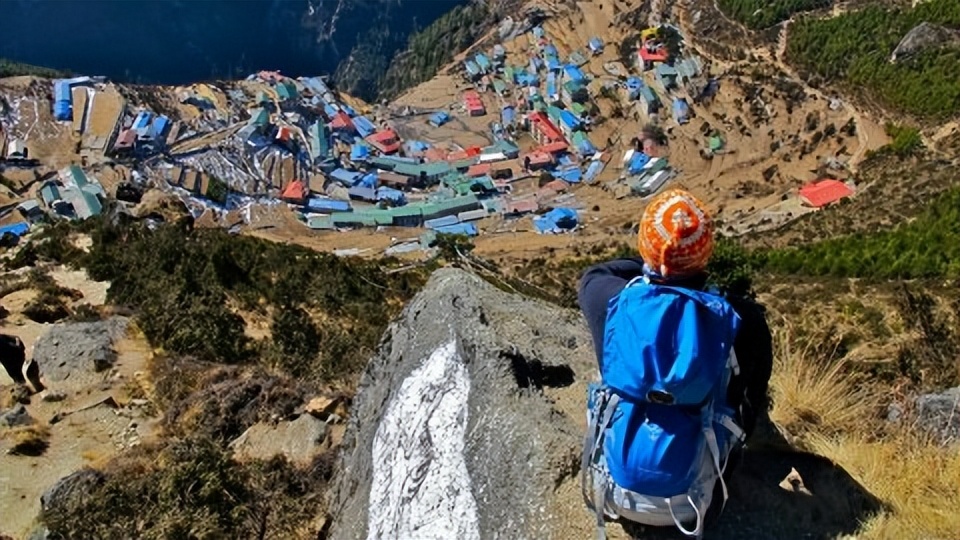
89, 409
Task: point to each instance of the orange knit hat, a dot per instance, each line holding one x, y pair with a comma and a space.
676, 234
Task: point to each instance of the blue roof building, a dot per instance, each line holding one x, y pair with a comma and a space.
634, 84
362, 193
550, 50
507, 115
359, 152
681, 111
469, 229
158, 130
473, 70
573, 73
16, 229
649, 100
62, 100
483, 63
394, 196
142, 120
364, 126
345, 177
439, 118
595, 45
325, 205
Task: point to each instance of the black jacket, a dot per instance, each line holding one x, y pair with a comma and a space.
753, 344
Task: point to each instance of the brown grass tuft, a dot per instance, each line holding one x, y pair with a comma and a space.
811, 395
29, 440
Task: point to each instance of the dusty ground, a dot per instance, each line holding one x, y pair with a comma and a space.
82, 437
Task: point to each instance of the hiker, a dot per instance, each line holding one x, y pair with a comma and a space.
684, 374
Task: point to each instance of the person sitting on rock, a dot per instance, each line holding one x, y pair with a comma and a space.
603, 281
675, 243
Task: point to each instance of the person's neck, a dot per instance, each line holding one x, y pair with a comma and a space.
695, 281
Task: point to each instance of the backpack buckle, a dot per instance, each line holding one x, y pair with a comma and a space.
660, 398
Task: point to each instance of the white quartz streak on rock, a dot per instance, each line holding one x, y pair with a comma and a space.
421, 487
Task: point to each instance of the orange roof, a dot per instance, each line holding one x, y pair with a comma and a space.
473, 151
341, 121
296, 191
480, 169
824, 192
457, 156
435, 154
539, 158
283, 134
385, 141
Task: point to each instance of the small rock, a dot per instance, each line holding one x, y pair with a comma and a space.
793, 482
139, 402
17, 416
53, 396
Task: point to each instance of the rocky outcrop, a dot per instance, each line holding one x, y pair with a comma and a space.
449, 435
17, 416
924, 36
78, 349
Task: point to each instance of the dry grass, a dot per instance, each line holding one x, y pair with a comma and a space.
834, 414
916, 478
29, 440
815, 396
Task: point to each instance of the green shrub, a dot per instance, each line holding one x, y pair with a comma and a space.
906, 140
926, 247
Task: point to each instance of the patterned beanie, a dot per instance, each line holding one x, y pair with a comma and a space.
676, 234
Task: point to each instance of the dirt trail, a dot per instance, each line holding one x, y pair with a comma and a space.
87, 432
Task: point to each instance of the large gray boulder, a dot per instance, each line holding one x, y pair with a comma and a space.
939, 415
71, 489
78, 349
922, 37
450, 435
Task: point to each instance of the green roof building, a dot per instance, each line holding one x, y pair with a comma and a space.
287, 91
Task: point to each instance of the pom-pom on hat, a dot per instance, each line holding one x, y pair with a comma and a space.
676, 235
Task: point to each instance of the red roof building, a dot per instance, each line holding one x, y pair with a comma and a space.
521, 207
296, 192
554, 147
538, 160
284, 133
341, 121
824, 192
543, 130
386, 141
651, 51
473, 103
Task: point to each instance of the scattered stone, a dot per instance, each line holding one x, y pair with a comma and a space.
17, 416
299, 440
52, 396
74, 349
939, 415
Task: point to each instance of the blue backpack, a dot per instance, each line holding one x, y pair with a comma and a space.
660, 430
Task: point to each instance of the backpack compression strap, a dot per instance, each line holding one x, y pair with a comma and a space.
606, 407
